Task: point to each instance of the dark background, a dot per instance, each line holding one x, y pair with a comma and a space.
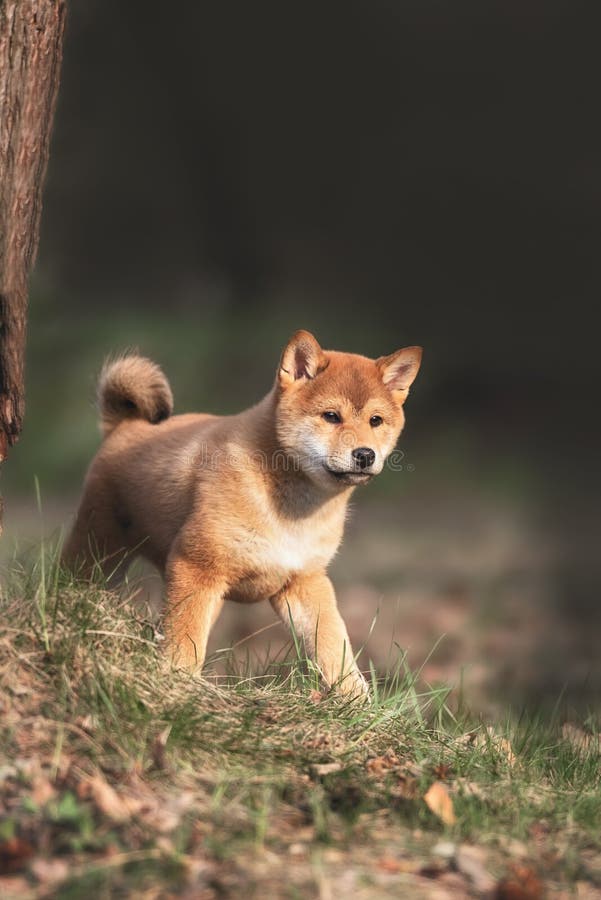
382, 173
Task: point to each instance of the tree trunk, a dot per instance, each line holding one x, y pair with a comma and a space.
31, 37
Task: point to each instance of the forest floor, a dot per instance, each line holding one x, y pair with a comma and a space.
121, 778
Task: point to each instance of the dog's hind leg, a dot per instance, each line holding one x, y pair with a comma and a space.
97, 543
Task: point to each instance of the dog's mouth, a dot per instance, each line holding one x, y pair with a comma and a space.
350, 477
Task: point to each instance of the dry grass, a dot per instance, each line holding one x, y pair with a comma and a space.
118, 776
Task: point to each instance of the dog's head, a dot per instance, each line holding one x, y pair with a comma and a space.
339, 415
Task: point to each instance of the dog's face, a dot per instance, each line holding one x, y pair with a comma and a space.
339, 414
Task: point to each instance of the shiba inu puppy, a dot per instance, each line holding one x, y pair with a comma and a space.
246, 507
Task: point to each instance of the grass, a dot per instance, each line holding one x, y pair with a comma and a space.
121, 777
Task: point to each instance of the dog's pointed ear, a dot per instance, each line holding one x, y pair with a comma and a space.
302, 359
398, 370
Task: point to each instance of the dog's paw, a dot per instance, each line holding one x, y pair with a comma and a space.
354, 686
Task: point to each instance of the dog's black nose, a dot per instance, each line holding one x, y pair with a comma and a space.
364, 456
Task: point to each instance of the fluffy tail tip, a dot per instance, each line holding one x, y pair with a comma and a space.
132, 387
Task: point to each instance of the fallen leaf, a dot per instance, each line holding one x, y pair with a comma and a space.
579, 739
64, 767
159, 756
7, 771
465, 740
438, 801
326, 768
442, 771
388, 864
539, 831
315, 696
501, 744
83, 790
505, 747
469, 788
88, 723
15, 853
112, 804
393, 866
42, 791
319, 742
19, 690
522, 883
406, 788
377, 765
586, 891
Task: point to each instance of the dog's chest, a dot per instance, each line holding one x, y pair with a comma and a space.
275, 554
296, 550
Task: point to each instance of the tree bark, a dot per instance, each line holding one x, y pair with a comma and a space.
31, 39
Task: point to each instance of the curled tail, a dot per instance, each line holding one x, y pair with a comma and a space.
132, 387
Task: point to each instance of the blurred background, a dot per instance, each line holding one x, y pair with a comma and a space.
383, 174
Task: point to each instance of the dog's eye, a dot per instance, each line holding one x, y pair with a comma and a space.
375, 421
332, 417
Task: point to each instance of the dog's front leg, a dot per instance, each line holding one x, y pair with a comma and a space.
194, 601
308, 604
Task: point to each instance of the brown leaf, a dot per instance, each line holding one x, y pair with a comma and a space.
393, 866
112, 804
442, 771
83, 790
326, 768
378, 765
315, 696
469, 788
15, 853
438, 801
42, 791
388, 864
522, 883
319, 742
406, 788
539, 831
65, 764
504, 746
19, 690
501, 744
467, 739
579, 739
159, 756
88, 723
